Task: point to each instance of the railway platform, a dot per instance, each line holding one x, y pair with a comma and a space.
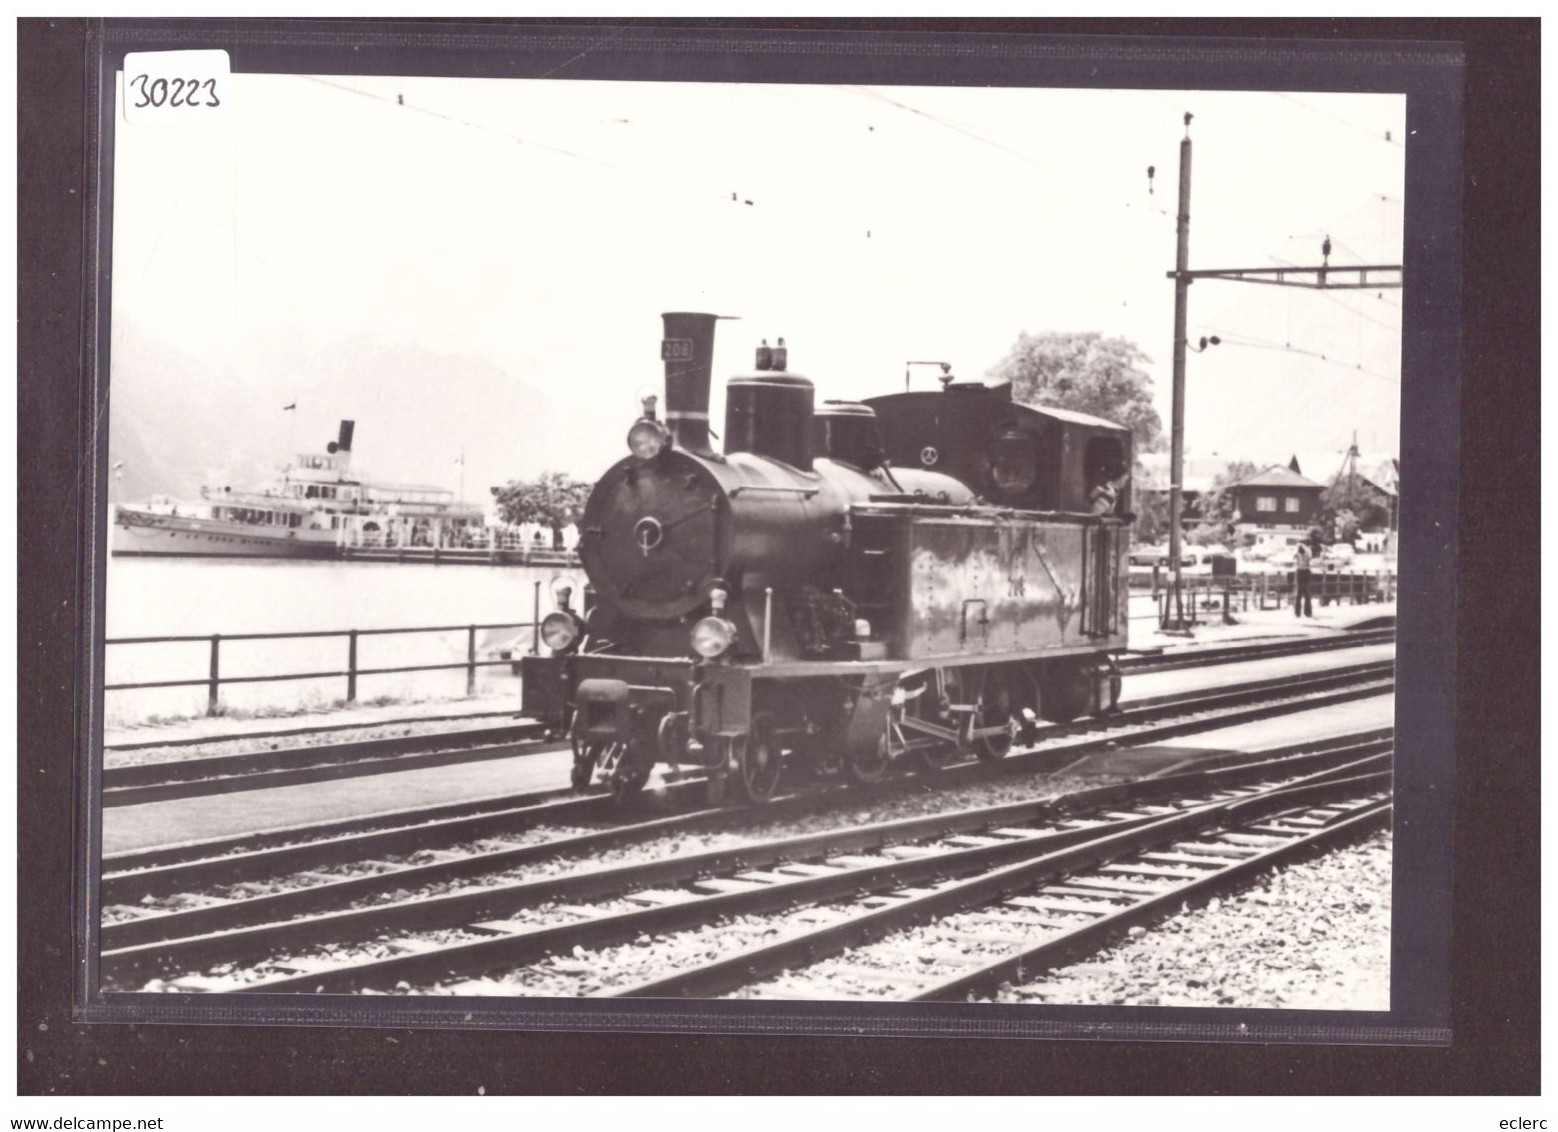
1266, 624
155, 824
473, 711
1172, 755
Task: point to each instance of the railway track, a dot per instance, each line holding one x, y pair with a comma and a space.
130, 877
260, 770
214, 897
887, 875
227, 773
1205, 657
256, 930
1015, 923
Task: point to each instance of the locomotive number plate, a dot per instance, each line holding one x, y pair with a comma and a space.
676, 349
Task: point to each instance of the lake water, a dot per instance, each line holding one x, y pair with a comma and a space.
149, 597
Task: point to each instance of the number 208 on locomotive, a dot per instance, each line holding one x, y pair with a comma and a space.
848, 588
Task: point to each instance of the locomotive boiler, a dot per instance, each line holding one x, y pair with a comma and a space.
845, 587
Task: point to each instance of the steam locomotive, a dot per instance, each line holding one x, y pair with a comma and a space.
847, 587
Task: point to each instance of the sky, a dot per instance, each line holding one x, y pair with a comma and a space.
501, 250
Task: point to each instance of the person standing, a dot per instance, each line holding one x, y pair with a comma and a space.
1303, 605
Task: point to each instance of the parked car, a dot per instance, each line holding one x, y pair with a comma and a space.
1149, 556
1268, 546
1284, 559
1339, 552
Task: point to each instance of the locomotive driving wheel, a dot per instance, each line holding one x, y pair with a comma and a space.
759, 759
869, 764
1068, 693
995, 710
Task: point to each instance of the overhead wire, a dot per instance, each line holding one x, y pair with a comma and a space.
980, 138
706, 193
904, 107
1234, 339
983, 139
1377, 135
481, 127
1237, 339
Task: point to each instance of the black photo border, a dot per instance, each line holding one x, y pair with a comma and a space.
1443, 659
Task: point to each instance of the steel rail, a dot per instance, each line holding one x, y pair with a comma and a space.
252, 856
1199, 656
805, 947
273, 909
246, 857
159, 871
1084, 939
509, 946
1325, 678
197, 778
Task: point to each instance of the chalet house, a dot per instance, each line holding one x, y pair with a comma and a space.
1276, 502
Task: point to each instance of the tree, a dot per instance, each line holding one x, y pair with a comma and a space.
552, 499
1151, 509
1218, 503
1351, 504
1088, 373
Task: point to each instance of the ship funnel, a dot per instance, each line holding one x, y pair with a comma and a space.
344, 443
688, 352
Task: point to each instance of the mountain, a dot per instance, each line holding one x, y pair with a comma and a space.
177, 423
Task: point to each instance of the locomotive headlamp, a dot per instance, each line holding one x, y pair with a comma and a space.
646, 439
559, 630
712, 637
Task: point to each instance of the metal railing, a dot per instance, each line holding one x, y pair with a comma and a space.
1275, 591
499, 546
213, 680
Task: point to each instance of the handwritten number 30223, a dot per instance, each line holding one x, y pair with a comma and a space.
174, 92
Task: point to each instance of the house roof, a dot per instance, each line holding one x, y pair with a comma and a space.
1383, 488
1201, 472
1278, 475
1379, 468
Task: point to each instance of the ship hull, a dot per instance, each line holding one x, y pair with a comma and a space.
174, 536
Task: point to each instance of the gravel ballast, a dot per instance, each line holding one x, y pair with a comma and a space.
1313, 936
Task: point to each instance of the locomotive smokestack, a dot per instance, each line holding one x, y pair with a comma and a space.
688, 353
